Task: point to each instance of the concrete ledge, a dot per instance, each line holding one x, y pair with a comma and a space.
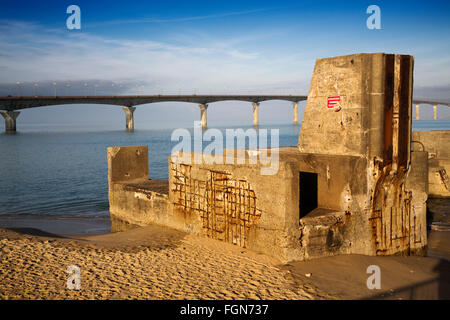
325, 233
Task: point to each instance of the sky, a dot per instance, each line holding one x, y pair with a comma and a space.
217, 47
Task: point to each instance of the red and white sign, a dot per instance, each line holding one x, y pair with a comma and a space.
333, 101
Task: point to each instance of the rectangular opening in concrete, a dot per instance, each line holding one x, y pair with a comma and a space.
308, 193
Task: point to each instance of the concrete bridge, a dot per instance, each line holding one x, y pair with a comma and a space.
434, 103
129, 103
11, 104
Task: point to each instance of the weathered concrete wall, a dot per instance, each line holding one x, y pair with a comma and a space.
437, 144
232, 203
417, 185
138, 203
133, 198
127, 163
236, 204
343, 128
336, 225
373, 90
360, 105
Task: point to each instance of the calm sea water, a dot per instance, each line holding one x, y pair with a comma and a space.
50, 173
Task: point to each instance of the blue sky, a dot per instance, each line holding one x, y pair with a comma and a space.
207, 47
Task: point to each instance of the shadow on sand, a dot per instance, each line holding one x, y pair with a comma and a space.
435, 288
346, 276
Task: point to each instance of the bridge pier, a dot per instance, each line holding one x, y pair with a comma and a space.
129, 112
203, 107
10, 120
255, 113
295, 105
417, 111
435, 112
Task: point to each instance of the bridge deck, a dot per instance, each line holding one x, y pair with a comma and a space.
17, 103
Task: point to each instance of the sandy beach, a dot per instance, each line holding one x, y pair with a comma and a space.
155, 262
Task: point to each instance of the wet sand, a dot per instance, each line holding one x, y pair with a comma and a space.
156, 262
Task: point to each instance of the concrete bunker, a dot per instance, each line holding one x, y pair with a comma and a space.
352, 185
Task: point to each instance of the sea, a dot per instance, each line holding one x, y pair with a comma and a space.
54, 178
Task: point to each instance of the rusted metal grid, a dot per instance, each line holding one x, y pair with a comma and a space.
227, 207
